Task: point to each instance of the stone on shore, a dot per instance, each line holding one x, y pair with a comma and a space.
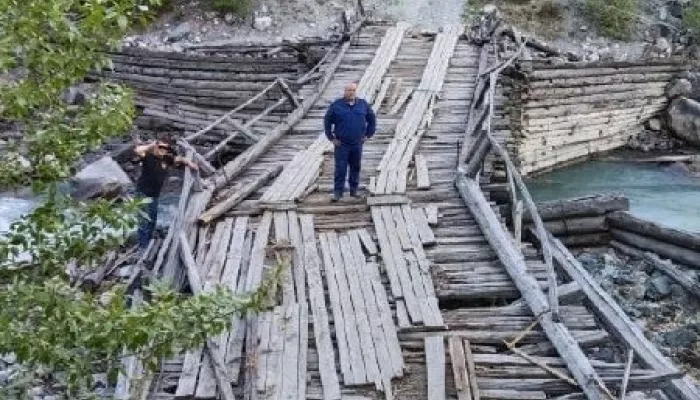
103, 178
684, 120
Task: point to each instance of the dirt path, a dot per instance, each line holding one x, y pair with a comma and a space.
429, 14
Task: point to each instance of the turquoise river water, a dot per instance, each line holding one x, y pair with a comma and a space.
663, 194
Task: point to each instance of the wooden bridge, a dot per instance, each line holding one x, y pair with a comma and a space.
420, 290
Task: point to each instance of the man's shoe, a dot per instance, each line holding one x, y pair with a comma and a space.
355, 195
335, 198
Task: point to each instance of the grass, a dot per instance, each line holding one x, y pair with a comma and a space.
543, 18
237, 7
614, 18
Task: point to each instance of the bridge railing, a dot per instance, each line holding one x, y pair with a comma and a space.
479, 142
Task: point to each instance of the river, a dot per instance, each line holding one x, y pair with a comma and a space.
663, 194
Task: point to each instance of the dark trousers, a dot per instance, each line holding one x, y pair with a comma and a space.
347, 157
147, 222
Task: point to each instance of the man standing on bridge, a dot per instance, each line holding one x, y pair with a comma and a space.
349, 121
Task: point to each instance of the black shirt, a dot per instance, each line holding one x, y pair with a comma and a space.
153, 174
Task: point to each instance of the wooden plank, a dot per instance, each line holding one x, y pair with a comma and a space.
471, 371
377, 103
274, 376
422, 175
237, 335
381, 356
427, 237
302, 371
257, 258
431, 213
401, 227
387, 322
387, 200
290, 358
459, 368
282, 239
367, 242
321, 326
338, 318
402, 314
262, 353
298, 264
400, 264
352, 333
435, 363
387, 253
213, 349
401, 101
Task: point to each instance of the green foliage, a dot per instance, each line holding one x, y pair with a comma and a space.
238, 7
47, 320
614, 18
691, 18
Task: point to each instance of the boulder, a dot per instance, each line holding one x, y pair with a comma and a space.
262, 23
103, 178
679, 87
684, 120
179, 32
658, 287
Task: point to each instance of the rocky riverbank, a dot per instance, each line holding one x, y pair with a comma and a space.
668, 314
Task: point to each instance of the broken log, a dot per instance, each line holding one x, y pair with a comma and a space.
628, 222
586, 206
676, 253
240, 195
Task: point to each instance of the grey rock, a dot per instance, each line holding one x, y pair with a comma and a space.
50, 397
73, 96
9, 358
675, 8
229, 18
658, 287
5, 375
37, 391
102, 178
679, 87
681, 337
684, 120
262, 23
654, 124
180, 32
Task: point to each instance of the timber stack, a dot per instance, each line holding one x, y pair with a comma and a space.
561, 113
582, 221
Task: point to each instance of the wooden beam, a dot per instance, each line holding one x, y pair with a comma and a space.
288, 92
435, 364
240, 195
512, 259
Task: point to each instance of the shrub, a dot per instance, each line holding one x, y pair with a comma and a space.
614, 18
691, 18
238, 7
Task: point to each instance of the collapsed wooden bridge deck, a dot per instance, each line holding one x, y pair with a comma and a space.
402, 294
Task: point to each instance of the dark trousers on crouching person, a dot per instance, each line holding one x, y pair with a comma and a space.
348, 158
147, 220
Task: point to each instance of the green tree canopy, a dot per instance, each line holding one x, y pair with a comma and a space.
46, 320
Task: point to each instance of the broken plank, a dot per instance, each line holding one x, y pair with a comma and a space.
386, 200
367, 242
427, 237
471, 370
459, 368
422, 175
321, 325
435, 363
431, 213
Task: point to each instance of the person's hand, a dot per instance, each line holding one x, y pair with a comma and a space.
194, 166
336, 142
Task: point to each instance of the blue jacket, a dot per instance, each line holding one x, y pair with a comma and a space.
349, 124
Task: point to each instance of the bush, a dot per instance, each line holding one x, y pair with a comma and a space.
614, 18
238, 7
691, 18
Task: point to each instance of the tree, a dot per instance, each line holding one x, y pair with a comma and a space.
46, 319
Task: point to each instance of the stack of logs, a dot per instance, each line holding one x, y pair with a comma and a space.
580, 222
560, 113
